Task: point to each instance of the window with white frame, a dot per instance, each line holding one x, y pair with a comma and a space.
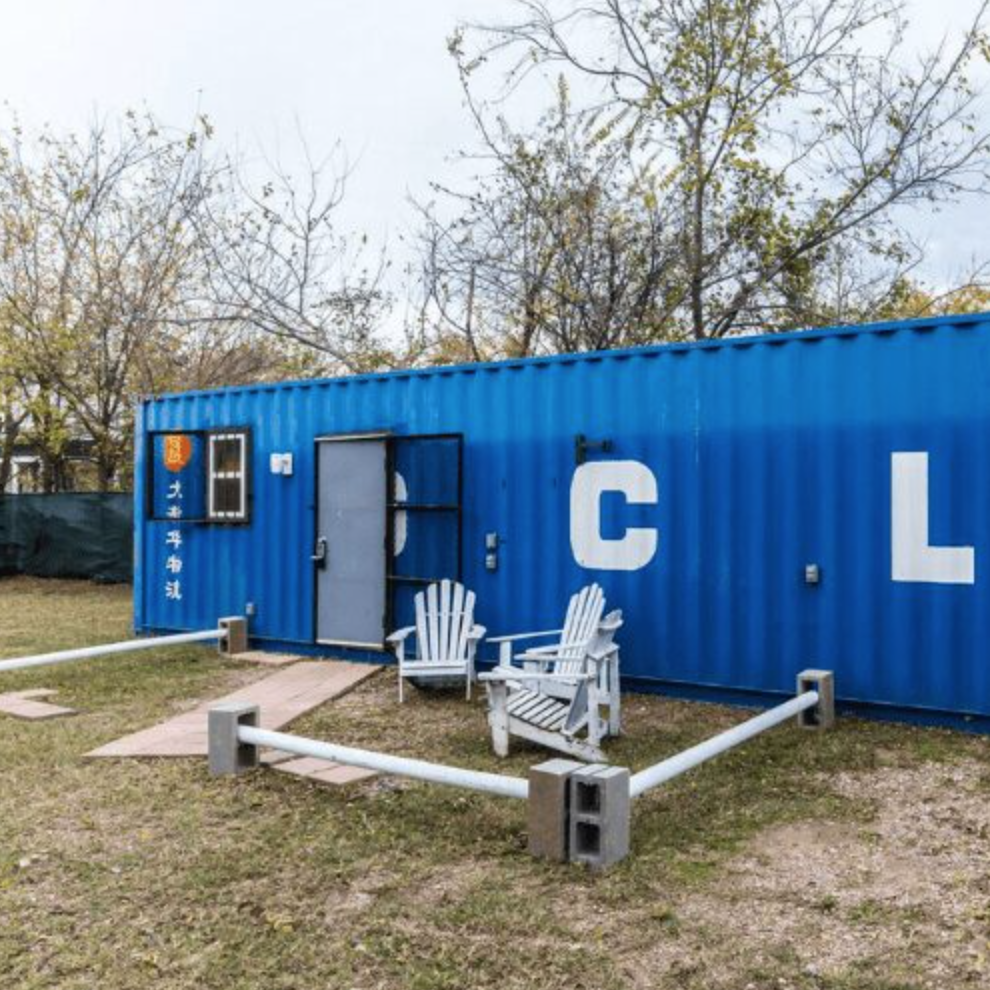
226, 489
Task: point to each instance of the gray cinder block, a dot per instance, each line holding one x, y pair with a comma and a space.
236, 640
227, 754
599, 815
822, 715
549, 794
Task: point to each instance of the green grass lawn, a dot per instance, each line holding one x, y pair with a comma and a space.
858, 859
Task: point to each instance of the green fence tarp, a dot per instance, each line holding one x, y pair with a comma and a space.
68, 535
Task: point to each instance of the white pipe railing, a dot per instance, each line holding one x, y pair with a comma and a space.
400, 766
666, 770
128, 646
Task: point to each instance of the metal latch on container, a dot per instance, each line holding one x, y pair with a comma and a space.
320, 557
582, 445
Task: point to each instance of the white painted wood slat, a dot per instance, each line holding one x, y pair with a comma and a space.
432, 621
421, 636
445, 618
458, 629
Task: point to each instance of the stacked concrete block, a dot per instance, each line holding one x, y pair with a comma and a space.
549, 798
236, 640
227, 754
822, 715
599, 815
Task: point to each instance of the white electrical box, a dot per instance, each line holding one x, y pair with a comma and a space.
280, 464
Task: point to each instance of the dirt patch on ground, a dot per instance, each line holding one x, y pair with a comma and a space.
367, 891
903, 899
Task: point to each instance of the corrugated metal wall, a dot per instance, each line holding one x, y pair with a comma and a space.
768, 454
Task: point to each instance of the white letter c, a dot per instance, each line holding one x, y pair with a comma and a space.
637, 546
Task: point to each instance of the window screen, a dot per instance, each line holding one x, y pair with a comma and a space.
227, 477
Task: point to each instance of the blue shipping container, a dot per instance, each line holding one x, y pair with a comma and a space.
754, 506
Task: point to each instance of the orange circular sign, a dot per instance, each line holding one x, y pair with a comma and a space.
178, 450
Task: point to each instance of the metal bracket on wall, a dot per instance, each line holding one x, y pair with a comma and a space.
582, 445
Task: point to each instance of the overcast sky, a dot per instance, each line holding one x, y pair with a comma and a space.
374, 74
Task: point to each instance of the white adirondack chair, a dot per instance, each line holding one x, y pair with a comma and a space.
564, 658
518, 705
446, 637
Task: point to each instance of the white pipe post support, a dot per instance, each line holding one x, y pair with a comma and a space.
400, 766
108, 649
666, 770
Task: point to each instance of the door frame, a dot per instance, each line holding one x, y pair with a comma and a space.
383, 436
389, 439
394, 507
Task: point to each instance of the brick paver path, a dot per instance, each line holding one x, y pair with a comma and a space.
23, 704
282, 697
266, 658
322, 771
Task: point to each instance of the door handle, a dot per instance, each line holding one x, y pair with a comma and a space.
320, 557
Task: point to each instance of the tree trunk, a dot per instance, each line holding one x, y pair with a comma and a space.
697, 254
11, 430
52, 477
106, 469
